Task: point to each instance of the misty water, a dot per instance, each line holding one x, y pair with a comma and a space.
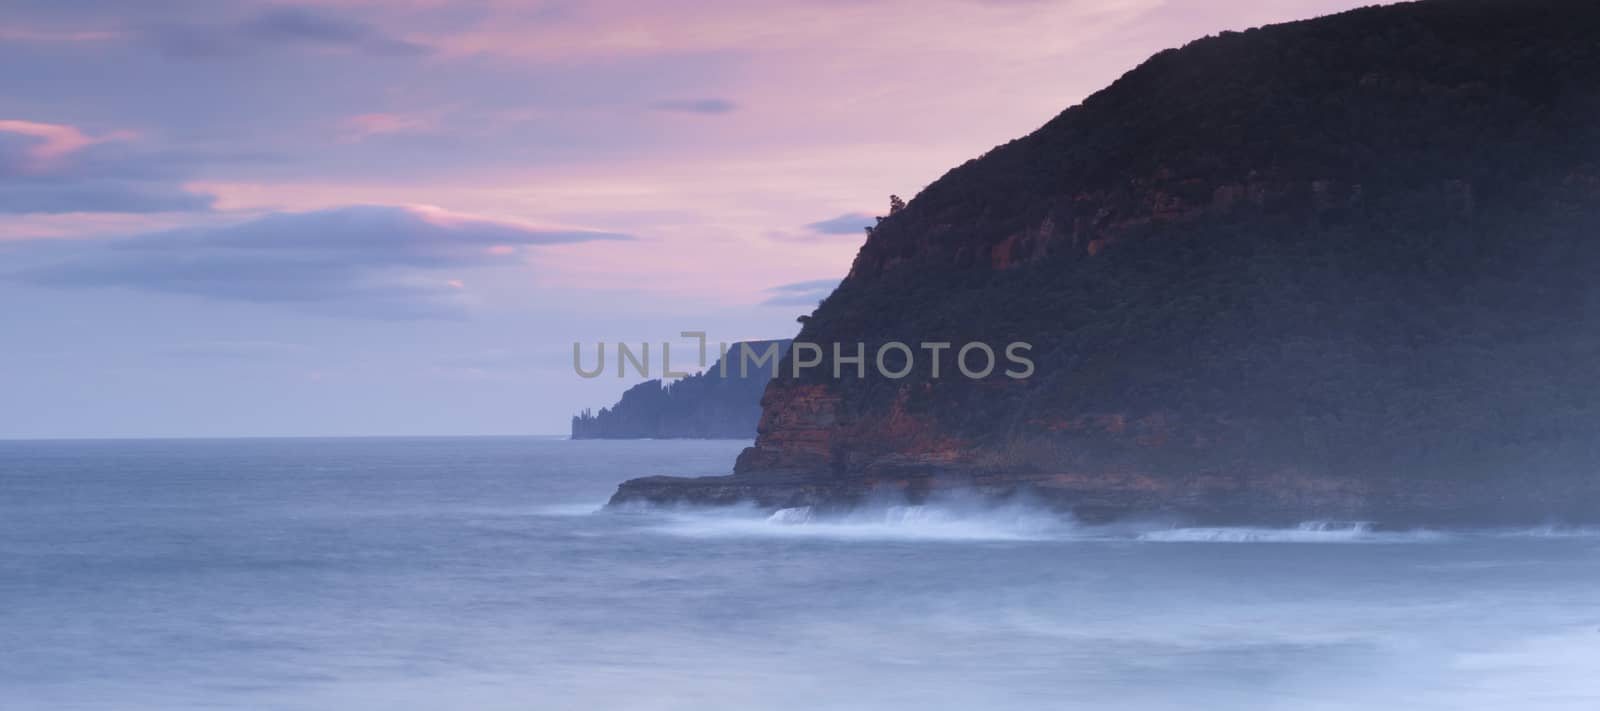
478, 574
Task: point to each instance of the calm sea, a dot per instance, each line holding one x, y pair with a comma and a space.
476, 574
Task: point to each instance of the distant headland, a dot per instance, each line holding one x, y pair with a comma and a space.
706, 405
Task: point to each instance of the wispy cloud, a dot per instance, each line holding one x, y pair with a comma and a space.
696, 106
57, 169
849, 224
280, 27
370, 260
804, 293
363, 126
65, 197
47, 145
830, 231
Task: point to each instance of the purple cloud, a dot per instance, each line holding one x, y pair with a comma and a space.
369, 260
849, 224
805, 293
279, 27
57, 169
696, 106
68, 196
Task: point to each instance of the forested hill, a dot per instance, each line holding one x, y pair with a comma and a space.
702, 406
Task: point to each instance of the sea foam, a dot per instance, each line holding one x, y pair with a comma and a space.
961, 520
1307, 532
892, 522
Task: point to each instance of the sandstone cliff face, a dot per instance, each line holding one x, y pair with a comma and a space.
1337, 268
798, 430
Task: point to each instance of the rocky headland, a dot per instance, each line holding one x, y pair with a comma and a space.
1338, 268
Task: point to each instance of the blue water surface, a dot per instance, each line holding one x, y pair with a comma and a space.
476, 573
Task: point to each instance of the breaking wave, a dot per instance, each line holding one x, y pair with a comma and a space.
1007, 523
1308, 532
892, 522
957, 521
569, 509
1551, 531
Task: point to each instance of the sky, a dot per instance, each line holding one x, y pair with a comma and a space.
395, 217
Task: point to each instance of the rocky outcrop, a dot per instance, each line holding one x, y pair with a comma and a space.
1336, 268
1279, 498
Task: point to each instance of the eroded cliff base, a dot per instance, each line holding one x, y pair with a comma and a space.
1209, 499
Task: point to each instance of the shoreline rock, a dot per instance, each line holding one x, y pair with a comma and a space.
1201, 500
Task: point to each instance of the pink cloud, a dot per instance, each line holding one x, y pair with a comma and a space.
363, 126
87, 225
55, 142
828, 124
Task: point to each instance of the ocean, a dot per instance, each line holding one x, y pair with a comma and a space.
480, 573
